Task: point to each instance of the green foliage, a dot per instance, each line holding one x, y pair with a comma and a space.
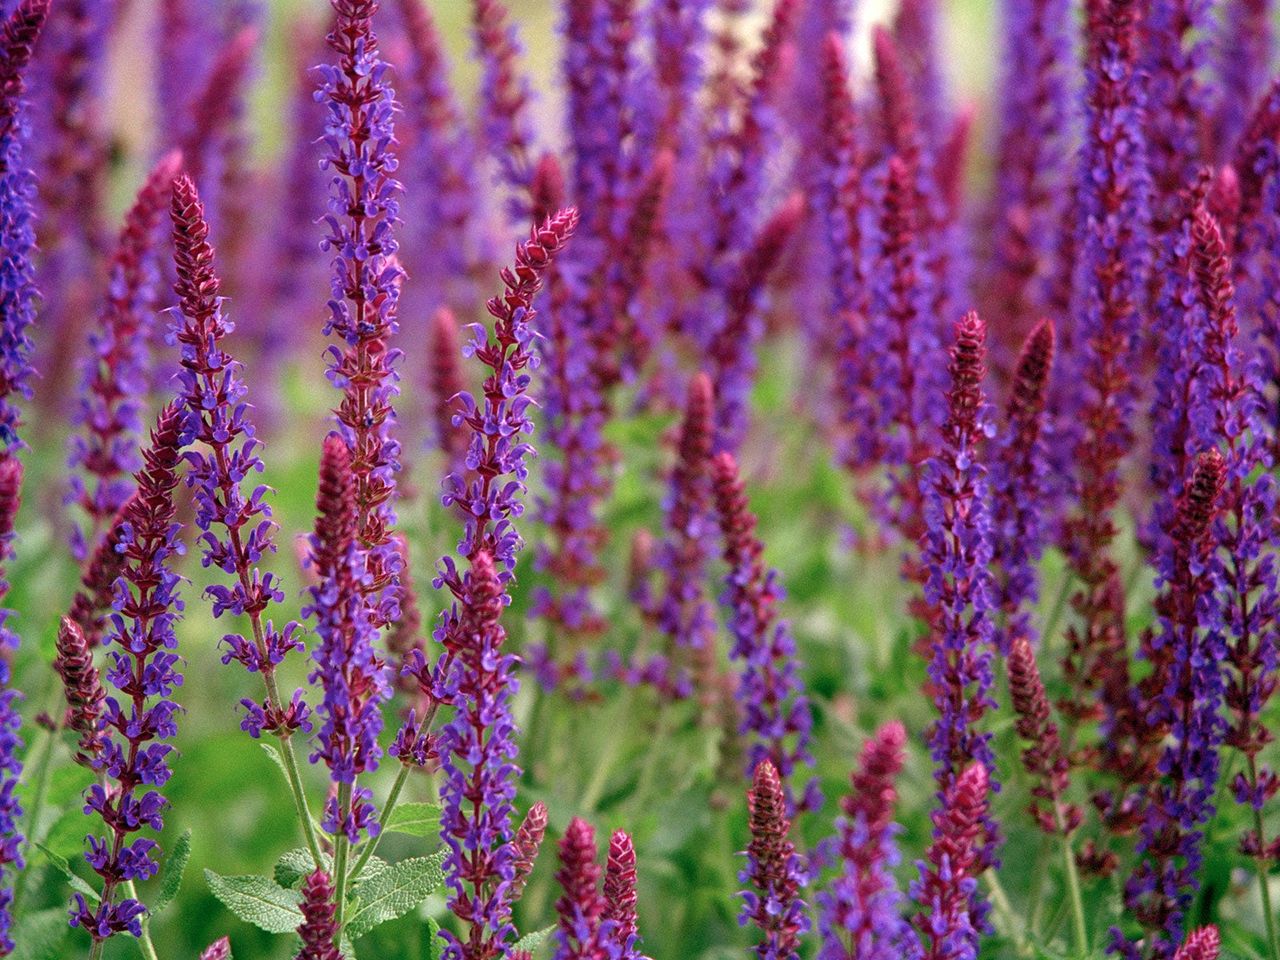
259, 901
171, 877
415, 819
392, 892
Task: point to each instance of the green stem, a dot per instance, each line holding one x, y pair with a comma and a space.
392, 799
144, 942
1079, 924
40, 794
604, 765
341, 848
294, 775
1264, 889
1035, 902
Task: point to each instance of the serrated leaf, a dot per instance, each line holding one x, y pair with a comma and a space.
415, 819
39, 936
530, 942
171, 877
258, 900
435, 942
78, 883
394, 892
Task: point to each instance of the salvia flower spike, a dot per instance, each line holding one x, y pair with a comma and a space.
956, 556
237, 530
116, 378
1180, 801
860, 911
142, 667
478, 759
770, 693
351, 674
11, 840
18, 294
582, 932
359, 144
775, 873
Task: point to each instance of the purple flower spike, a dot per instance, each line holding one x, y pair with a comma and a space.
775, 710
82, 685
1033, 163
683, 610
1186, 659
620, 895
959, 593
220, 949
116, 377
860, 914
18, 295
1098, 400
505, 97
1018, 485
953, 913
359, 146
774, 871
353, 677
478, 757
143, 666
237, 529
318, 929
583, 933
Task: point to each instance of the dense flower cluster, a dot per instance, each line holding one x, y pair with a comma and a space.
860, 913
143, 668
774, 871
775, 711
351, 674
359, 142
956, 554
117, 377
237, 530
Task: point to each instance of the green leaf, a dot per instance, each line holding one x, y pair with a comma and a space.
394, 892
39, 936
259, 901
415, 819
78, 883
274, 753
171, 876
530, 942
435, 942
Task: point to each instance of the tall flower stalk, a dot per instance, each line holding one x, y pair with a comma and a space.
473, 671
860, 915
770, 693
956, 554
142, 666
237, 530
774, 873
359, 146
18, 299
116, 376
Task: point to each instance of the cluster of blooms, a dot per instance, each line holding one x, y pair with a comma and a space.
956, 553
18, 299
363, 208
237, 530
774, 871
117, 376
596, 923
860, 911
775, 711
476, 749
144, 670
351, 674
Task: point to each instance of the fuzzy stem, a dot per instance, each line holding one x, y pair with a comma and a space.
1079, 924
392, 799
341, 849
145, 945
